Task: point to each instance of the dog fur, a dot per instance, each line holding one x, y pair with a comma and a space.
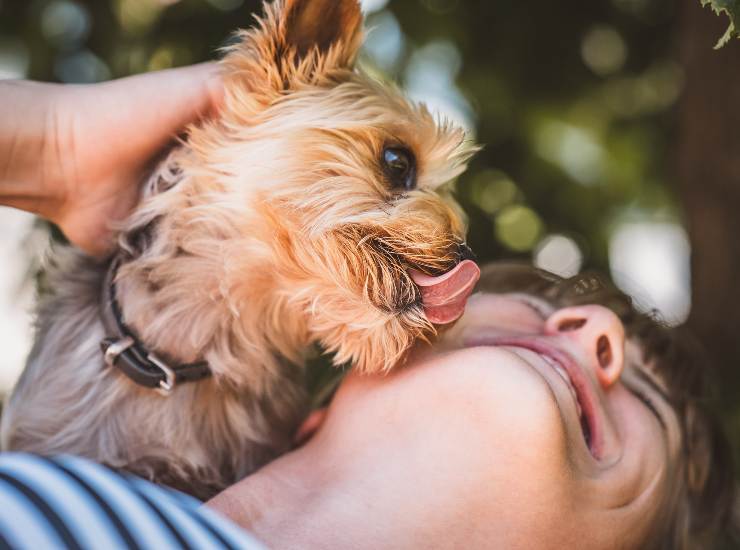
271, 228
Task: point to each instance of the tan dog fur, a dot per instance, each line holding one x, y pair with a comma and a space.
271, 228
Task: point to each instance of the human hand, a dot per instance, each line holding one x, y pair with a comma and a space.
75, 154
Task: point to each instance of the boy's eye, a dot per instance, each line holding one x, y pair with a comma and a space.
399, 166
642, 396
535, 305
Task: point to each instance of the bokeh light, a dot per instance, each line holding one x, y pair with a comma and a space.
518, 227
168, 56
492, 190
603, 50
385, 41
650, 261
430, 78
65, 24
17, 248
15, 58
575, 150
655, 90
138, 16
559, 254
371, 6
82, 67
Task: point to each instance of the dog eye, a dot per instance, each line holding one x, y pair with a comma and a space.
399, 166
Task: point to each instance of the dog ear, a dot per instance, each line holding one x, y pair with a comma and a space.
321, 24
296, 42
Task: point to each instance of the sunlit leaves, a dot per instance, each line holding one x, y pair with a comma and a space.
732, 9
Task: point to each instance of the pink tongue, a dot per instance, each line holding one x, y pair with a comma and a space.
444, 297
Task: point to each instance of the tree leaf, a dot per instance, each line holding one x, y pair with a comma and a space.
732, 9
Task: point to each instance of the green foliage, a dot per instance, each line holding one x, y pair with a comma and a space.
732, 9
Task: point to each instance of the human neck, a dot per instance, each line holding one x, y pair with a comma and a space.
307, 500
281, 504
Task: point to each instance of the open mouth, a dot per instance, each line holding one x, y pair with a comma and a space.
573, 377
444, 297
585, 425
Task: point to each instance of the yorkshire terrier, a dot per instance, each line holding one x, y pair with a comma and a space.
315, 208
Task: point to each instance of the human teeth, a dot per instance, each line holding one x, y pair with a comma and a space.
564, 375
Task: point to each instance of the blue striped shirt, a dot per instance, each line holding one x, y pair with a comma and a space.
69, 502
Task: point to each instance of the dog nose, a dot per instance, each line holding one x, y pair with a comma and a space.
465, 252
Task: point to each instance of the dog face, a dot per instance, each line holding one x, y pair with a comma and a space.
347, 182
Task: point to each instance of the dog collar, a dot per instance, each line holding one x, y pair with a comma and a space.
123, 350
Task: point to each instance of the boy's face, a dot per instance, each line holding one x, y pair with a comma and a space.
527, 426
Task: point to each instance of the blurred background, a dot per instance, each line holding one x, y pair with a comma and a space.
611, 137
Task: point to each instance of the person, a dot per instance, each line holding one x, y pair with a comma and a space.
551, 416
75, 154
541, 420
70, 502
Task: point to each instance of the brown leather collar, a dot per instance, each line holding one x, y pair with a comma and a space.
123, 350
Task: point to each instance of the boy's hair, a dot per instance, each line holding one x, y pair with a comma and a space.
703, 495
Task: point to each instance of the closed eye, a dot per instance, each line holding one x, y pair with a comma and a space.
648, 402
535, 305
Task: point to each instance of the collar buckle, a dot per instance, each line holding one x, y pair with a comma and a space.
125, 352
170, 378
113, 348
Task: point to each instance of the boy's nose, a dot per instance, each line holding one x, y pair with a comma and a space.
599, 334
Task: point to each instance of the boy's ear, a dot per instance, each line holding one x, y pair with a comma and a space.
321, 24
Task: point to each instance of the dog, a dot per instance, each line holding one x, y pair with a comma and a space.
315, 208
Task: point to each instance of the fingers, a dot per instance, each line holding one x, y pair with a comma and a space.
185, 94
115, 130
135, 117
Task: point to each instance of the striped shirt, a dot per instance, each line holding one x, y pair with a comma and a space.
69, 502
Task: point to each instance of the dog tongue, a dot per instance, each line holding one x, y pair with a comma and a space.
444, 297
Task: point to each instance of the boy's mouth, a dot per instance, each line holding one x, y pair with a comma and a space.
444, 297
583, 395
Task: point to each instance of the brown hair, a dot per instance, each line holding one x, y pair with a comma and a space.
701, 509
